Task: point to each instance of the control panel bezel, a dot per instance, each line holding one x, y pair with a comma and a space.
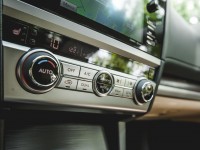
57, 96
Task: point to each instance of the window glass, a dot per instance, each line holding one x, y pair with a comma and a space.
188, 9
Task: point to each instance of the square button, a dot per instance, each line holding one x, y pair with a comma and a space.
87, 73
68, 83
130, 83
117, 91
119, 80
128, 93
69, 69
84, 86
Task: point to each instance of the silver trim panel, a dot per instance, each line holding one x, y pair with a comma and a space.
177, 92
72, 61
180, 83
58, 24
13, 92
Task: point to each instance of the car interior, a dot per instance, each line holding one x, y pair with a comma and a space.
100, 75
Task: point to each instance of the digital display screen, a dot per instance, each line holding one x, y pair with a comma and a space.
33, 36
123, 16
74, 49
127, 21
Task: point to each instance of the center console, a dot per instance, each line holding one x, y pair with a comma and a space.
94, 55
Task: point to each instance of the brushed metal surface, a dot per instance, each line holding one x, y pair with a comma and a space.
122, 135
180, 83
55, 137
15, 93
164, 90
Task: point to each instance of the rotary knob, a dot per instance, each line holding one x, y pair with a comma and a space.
144, 91
103, 83
38, 71
152, 6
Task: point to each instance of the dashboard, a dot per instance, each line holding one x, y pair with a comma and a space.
65, 48
85, 48
96, 71
79, 60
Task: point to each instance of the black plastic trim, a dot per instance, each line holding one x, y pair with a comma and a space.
1, 134
1, 58
176, 82
157, 81
182, 70
48, 118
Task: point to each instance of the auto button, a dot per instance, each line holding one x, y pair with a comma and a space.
44, 71
38, 71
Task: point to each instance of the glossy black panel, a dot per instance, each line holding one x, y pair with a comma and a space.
22, 33
1, 58
1, 134
127, 21
165, 135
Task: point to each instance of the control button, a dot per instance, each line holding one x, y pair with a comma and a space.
44, 71
128, 93
24, 28
34, 32
119, 80
38, 71
24, 34
151, 23
14, 32
87, 73
152, 6
150, 38
129, 83
69, 69
103, 83
68, 83
32, 41
22, 39
151, 34
84, 86
144, 91
117, 91
151, 28
151, 73
151, 43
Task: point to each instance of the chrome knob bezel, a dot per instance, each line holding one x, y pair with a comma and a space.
95, 89
142, 94
22, 80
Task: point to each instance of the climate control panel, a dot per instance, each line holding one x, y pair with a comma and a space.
39, 71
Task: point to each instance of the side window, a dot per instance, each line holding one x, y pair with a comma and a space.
188, 9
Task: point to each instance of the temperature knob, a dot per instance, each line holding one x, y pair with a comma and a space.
144, 91
38, 71
103, 83
152, 6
